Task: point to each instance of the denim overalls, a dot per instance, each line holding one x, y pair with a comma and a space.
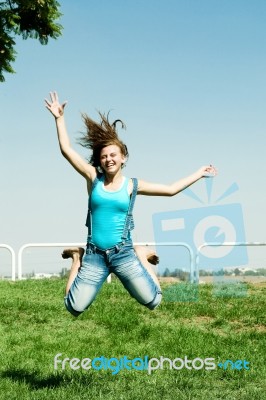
121, 260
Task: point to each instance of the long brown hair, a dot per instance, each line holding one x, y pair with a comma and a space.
99, 135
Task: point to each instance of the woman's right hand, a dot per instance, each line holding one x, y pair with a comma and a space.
55, 108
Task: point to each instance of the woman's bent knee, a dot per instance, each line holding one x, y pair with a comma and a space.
71, 309
155, 302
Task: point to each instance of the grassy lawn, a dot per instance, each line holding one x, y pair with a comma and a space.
34, 328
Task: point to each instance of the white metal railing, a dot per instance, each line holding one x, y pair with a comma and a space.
13, 259
194, 261
176, 244
216, 244
40, 245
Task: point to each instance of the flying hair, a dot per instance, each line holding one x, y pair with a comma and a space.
99, 135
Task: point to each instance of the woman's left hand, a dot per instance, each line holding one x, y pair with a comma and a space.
208, 171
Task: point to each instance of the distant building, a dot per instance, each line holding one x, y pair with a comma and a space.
43, 275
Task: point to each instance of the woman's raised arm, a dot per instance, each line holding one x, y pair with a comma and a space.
157, 189
80, 165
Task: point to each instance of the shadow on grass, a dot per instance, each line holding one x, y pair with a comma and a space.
37, 382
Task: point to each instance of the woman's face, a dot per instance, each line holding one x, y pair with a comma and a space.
111, 159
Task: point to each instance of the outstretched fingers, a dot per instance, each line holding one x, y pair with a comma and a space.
54, 96
48, 104
54, 106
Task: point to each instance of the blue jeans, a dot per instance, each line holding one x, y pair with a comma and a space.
98, 264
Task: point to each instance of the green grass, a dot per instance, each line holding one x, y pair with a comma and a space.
34, 327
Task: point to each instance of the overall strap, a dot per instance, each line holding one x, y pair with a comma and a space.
129, 222
89, 217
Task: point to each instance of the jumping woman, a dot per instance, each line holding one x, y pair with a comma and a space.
111, 199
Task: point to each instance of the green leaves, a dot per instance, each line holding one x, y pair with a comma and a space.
31, 19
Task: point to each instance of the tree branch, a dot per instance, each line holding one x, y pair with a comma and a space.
10, 5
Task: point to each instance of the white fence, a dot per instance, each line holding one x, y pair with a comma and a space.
63, 245
50, 245
216, 244
41, 245
194, 259
13, 259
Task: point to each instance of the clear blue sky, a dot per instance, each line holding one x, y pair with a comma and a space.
186, 76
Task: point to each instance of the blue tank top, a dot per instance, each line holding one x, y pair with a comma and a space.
109, 210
